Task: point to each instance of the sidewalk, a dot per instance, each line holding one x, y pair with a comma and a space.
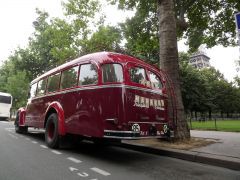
223, 151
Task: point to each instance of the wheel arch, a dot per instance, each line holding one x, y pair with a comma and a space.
55, 107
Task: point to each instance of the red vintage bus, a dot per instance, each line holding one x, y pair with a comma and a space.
100, 95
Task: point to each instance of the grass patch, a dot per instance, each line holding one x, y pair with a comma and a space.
221, 125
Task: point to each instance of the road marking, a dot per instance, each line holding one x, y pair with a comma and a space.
83, 174
15, 137
9, 128
100, 171
34, 142
74, 160
56, 152
43, 146
73, 169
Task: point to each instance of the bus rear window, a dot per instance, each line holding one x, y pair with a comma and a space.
137, 75
5, 99
155, 81
33, 90
41, 87
112, 73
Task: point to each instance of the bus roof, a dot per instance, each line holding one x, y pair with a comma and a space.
5, 94
99, 58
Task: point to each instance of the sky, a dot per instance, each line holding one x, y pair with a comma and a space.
16, 17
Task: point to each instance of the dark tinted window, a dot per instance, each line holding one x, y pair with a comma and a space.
112, 73
41, 87
5, 99
33, 90
69, 78
137, 75
53, 82
88, 74
155, 81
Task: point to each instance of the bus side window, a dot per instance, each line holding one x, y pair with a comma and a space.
41, 87
5, 99
137, 75
112, 73
155, 80
33, 90
53, 83
88, 75
69, 78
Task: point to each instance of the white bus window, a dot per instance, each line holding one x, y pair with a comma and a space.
88, 75
5, 99
112, 73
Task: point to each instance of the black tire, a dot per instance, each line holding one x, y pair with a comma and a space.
20, 129
52, 138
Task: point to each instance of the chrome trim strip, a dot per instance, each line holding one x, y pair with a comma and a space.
102, 87
112, 131
111, 119
131, 122
146, 137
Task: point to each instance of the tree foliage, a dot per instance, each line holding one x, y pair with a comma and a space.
200, 22
206, 91
107, 38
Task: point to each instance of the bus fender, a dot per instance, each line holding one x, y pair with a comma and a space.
56, 106
21, 114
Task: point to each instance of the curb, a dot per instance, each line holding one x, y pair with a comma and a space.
193, 156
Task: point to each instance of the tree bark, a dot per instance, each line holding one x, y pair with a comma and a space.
169, 61
210, 114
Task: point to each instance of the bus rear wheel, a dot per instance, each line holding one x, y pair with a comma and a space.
51, 131
20, 129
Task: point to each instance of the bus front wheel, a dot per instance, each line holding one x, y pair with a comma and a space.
51, 131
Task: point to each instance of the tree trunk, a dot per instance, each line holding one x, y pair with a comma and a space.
169, 61
210, 114
196, 115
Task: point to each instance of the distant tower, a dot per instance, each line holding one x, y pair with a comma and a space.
199, 59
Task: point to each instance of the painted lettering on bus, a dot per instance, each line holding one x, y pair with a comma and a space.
144, 102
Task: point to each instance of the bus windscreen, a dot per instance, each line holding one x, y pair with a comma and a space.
5, 99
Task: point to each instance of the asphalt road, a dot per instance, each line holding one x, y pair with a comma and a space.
25, 157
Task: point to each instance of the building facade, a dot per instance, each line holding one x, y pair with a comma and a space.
199, 60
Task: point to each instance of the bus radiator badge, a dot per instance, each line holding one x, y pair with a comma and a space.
135, 128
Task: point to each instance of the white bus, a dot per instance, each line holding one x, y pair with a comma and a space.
5, 105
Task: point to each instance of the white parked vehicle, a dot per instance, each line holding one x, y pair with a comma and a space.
5, 105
